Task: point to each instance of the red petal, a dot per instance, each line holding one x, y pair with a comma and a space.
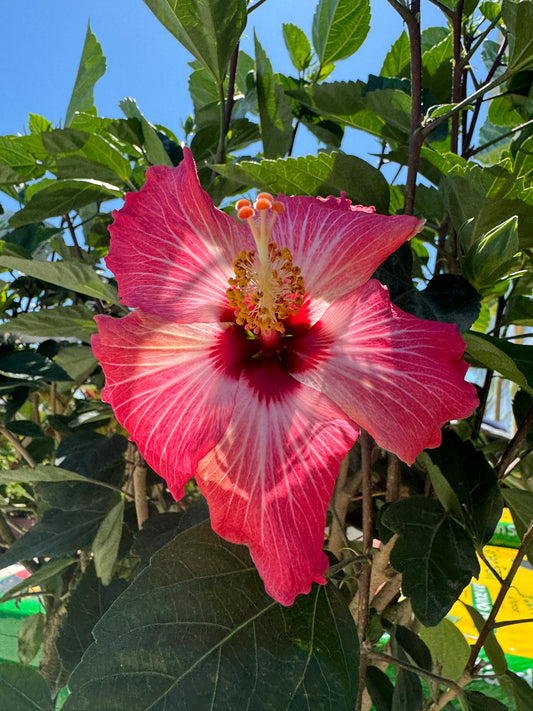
337, 246
172, 250
172, 387
268, 482
399, 377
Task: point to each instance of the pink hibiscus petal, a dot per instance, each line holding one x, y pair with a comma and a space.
269, 480
336, 245
171, 250
172, 387
399, 377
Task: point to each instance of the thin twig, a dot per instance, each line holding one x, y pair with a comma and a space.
382, 657
416, 138
490, 622
139, 489
17, 445
484, 146
489, 565
514, 445
457, 26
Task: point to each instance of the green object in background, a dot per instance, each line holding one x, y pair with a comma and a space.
505, 535
13, 613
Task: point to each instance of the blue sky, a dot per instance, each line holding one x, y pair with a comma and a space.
41, 46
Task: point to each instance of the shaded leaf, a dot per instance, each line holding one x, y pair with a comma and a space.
155, 151
78, 361
520, 504
57, 323
87, 603
339, 28
39, 473
209, 30
380, 688
92, 66
518, 17
480, 702
74, 276
23, 689
207, 635
32, 366
435, 555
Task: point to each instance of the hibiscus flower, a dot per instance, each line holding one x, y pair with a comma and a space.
257, 349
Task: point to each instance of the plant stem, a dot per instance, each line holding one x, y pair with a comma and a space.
514, 445
490, 622
231, 86
363, 590
484, 146
382, 657
415, 136
17, 446
457, 25
139, 488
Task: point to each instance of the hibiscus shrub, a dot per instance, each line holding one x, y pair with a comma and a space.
260, 422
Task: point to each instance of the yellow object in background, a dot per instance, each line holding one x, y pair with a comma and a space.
516, 640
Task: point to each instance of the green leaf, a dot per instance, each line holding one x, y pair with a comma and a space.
154, 149
31, 366
209, 30
92, 66
518, 18
298, 46
448, 648
380, 688
493, 256
87, 603
30, 637
23, 689
59, 197
519, 311
480, 702
42, 472
80, 278
437, 68
512, 360
324, 174
46, 572
396, 63
435, 555
17, 164
106, 542
339, 28
520, 504
57, 323
274, 109
210, 633
392, 105
521, 691
78, 361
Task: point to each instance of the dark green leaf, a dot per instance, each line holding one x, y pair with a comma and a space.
521, 691
59, 197
519, 311
39, 473
56, 535
324, 174
512, 360
74, 276
209, 30
437, 68
29, 365
397, 61
298, 46
480, 702
518, 18
92, 66
210, 633
57, 323
339, 28
23, 689
274, 108
435, 555
407, 694
380, 688
473, 481
24, 428
413, 646
87, 603
159, 529
30, 637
